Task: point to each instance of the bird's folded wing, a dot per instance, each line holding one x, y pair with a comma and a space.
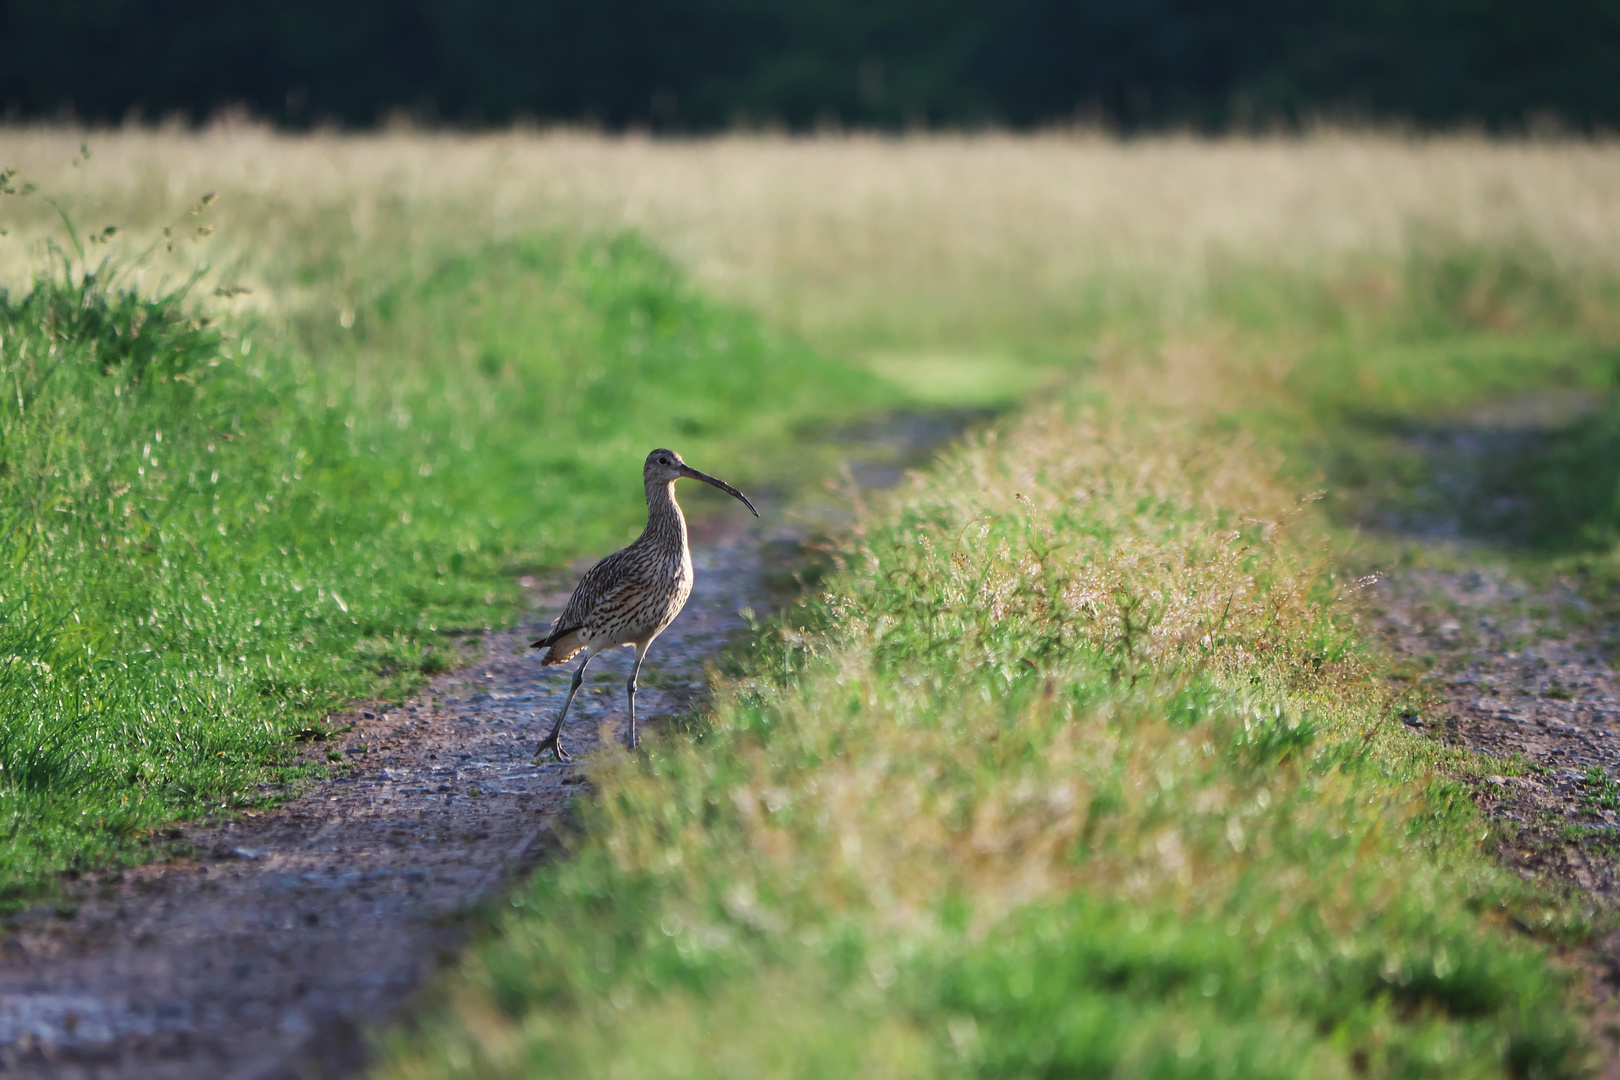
599, 595
598, 584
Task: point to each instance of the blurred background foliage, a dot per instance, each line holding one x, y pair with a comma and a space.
695, 65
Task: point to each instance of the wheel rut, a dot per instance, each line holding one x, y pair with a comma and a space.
269, 949
1520, 668
1525, 676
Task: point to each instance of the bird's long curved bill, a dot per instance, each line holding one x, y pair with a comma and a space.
687, 470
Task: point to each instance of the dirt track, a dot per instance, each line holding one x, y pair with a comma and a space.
1513, 684
1521, 673
266, 953
1525, 676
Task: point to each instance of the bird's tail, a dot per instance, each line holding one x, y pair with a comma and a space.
560, 644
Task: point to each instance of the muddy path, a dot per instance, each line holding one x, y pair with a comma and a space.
265, 946
1519, 667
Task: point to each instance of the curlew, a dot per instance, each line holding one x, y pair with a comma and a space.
632, 595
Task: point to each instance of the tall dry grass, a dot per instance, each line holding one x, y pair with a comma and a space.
854, 240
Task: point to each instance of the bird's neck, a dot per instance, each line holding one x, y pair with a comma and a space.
665, 522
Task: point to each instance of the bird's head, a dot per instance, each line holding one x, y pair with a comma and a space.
666, 467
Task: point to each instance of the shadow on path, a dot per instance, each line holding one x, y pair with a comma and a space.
1538, 473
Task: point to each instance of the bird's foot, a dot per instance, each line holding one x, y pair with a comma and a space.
552, 742
631, 740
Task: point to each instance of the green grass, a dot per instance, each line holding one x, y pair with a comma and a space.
216, 534
941, 379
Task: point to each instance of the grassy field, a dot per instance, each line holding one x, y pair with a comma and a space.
1080, 766
987, 252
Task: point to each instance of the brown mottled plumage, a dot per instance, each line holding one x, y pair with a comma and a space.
632, 595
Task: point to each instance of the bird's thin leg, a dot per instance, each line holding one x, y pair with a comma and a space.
554, 740
630, 687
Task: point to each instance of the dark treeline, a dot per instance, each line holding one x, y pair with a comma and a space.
692, 65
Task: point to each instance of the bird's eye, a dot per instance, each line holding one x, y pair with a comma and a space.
663, 461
